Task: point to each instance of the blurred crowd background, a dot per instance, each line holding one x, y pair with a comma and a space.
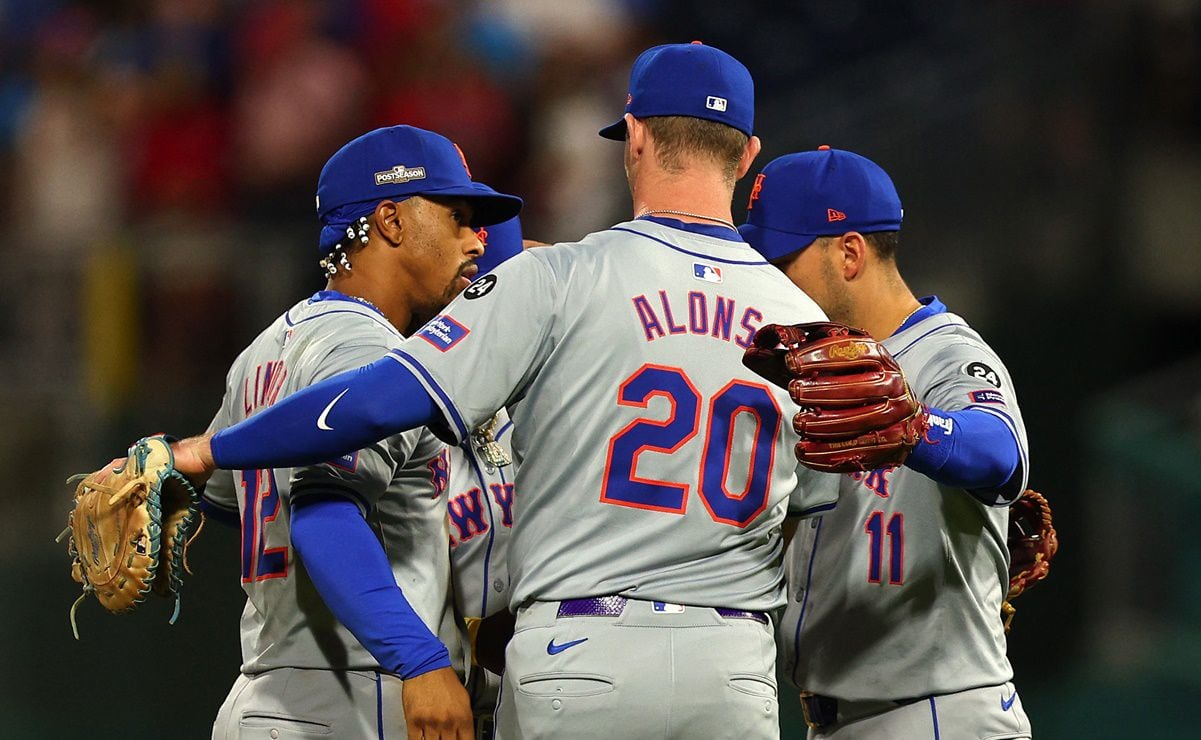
158, 162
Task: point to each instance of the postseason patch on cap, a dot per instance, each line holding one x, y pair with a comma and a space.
398, 174
708, 273
443, 332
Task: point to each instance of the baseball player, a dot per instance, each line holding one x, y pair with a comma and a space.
893, 626
348, 629
478, 475
655, 469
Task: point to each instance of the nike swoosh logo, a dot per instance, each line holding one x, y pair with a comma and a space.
553, 649
321, 419
1007, 703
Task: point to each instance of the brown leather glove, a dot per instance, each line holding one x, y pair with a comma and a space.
130, 527
857, 410
1032, 544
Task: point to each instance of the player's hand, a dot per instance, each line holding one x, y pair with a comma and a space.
194, 457
437, 706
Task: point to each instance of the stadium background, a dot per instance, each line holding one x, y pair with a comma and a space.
157, 166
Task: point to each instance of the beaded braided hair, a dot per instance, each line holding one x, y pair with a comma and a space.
336, 258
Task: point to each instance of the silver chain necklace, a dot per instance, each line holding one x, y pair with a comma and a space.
722, 221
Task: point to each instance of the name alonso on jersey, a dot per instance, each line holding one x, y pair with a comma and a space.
698, 314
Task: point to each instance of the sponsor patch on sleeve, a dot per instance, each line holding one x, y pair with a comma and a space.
443, 332
349, 463
987, 397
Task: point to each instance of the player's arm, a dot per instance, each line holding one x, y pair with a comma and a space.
410, 387
334, 417
973, 442
973, 450
351, 573
219, 496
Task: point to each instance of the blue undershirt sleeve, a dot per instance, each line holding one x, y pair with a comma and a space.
970, 449
351, 572
328, 419
219, 513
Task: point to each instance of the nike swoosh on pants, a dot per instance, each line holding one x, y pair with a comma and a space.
553, 649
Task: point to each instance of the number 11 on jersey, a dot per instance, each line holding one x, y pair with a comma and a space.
876, 533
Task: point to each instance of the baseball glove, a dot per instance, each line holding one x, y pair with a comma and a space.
1032, 544
857, 411
130, 528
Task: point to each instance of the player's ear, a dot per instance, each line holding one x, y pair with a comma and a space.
852, 250
389, 221
752, 149
636, 135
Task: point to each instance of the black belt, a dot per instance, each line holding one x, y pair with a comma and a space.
821, 712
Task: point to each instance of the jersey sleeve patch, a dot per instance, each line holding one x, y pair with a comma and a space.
443, 332
481, 287
987, 397
349, 463
979, 370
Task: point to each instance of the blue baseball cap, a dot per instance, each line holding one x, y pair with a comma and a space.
501, 241
691, 80
799, 197
396, 163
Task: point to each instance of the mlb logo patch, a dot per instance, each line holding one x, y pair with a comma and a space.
443, 332
987, 397
662, 607
715, 103
349, 463
708, 273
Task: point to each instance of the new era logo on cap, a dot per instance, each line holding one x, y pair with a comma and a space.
833, 215
715, 103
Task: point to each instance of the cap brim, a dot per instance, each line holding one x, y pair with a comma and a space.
772, 244
488, 206
615, 131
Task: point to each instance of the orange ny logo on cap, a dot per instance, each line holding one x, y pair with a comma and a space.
464, 158
482, 234
833, 215
755, 190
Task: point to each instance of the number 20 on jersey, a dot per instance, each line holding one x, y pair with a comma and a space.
623, 486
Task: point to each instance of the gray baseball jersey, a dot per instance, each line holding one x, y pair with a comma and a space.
480, 508
285, 622
896, 593
653, 464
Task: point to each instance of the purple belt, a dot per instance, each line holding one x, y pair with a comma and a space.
612, 606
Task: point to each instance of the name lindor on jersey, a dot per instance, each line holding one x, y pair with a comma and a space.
698, 314
267, 383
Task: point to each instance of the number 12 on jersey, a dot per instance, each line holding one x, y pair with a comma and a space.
623, 486
262, 506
